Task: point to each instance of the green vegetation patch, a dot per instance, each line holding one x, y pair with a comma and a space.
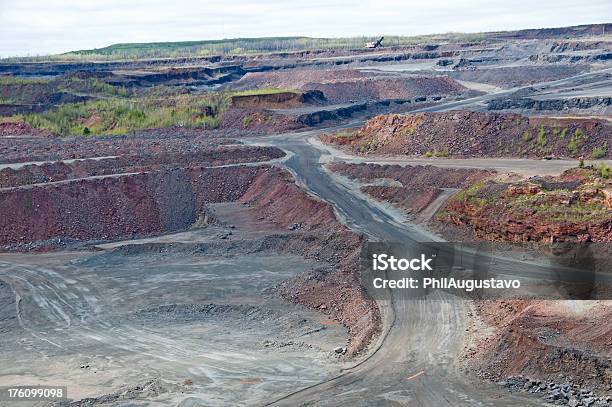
600, 152
92, 86
7, 80
120, 116
541, 138
262, 91
472, 194
576, 141
545, 206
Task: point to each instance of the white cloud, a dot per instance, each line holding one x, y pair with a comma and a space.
30, 27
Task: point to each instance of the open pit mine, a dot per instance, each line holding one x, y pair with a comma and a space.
183, 230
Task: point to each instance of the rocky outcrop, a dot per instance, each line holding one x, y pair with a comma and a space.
546, 348
278, 100
550, 104
411, 188
538, 210
477, 134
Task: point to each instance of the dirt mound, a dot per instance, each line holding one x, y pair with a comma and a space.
270, 197
341, 86
476, 134
20, 129
546, 340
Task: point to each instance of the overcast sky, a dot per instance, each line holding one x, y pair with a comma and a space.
37, 27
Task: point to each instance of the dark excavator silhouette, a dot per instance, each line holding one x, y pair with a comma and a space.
375, 44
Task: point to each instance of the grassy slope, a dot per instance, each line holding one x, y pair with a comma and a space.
123, 115
120, 114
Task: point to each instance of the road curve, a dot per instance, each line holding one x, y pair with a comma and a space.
416, 362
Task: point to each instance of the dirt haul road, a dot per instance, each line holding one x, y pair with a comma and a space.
415, 363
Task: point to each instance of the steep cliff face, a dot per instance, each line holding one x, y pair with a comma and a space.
277, 100
119, 206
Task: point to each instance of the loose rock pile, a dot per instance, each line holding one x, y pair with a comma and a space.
561, 394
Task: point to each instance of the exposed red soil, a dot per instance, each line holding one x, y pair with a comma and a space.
21, 143
258, 121
341, 86
336, 293
420, 185
59, 171
413, 176
118, 207
545, 340
576, 207
277, 100
271, 199
410, 200
154, 142
20, 129
476, 134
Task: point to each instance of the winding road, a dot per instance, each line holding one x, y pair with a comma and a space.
416, 361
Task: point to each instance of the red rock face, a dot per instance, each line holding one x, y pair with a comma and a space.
20, 129
531, 338
477, 134
117, 207
105, 208
60, 171
550, 210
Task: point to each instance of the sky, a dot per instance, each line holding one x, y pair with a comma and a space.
40, 27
